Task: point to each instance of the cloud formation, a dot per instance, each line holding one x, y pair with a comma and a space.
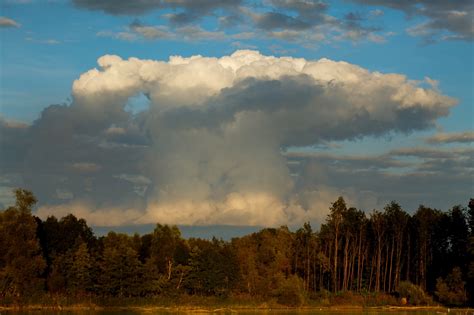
210, 148
446, 20
7, 22
304, 20
297, 21
413, 175
191, 9
459, 137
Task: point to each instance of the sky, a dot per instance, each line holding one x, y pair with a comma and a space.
235, 112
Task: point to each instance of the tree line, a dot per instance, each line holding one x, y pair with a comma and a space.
386, 251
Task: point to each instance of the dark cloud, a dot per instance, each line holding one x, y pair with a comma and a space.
438, 178
347, 162
293, 15
430, 153
229, 21
306, 9
191, 9
446, 20
13, 145
120, 7
275, 20
297, 20
284, 19
149, 32
301, 20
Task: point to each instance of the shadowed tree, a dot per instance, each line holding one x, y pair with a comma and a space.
451, 291
165, 240
80, 275
121, 270
334, 221
377, 221
21, 259
213, 268
426, 220
397, 220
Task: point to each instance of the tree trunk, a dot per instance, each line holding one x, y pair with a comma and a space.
346, 261
391, 264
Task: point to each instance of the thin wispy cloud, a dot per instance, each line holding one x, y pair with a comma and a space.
6, 22
455, 137
43, 41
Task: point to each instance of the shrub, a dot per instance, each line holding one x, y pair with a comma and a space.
451, 291
290, 291
414, 294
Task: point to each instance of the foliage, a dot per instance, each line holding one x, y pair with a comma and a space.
121, 270
213, 268
21, 260
451, 291
290, 291
414, 294
374, 259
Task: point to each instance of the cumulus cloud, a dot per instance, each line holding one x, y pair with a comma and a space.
460, 137
211, 146
7, 22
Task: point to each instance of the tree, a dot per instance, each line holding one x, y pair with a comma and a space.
334, 220
80, 275
246, 253
121, 270
458, 235
427, 221
21, 259
377, 221
213, 268
305, 254
397, 220
164, 243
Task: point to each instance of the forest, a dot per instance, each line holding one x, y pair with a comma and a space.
388, 255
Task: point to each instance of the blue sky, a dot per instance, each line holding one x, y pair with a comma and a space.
46, 45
